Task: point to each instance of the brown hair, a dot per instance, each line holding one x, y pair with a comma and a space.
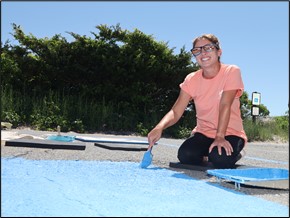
210, 37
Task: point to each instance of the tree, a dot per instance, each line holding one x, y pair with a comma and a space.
129, 70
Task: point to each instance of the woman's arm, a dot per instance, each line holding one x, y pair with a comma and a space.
170, 118
223, 121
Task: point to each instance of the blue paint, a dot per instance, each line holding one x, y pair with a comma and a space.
147, 159
61, 138
101, 188
265, 176
251, 174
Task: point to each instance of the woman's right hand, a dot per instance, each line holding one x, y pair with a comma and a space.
153, 136
169, 119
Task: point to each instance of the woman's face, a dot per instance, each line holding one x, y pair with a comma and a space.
206, 53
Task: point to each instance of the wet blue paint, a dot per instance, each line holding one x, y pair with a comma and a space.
61, 138
78, 188
147, 159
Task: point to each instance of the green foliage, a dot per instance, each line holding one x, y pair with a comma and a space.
46, 115
128, 75
183, 132
117, 65
76, 113
9, 111
267, 129
143, 131
11, 117
78, 126
283, 122
117, 81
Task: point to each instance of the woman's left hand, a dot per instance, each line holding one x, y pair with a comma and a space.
221, 142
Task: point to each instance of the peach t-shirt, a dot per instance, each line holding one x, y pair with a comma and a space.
207, 93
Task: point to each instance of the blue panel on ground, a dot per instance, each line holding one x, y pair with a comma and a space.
250, 174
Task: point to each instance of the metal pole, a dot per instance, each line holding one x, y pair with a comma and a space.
254, 118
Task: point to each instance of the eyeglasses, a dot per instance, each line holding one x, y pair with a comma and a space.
208, 48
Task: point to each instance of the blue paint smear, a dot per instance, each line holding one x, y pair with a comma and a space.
147, 159
68, 188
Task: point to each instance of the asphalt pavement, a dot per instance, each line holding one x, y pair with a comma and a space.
258, 154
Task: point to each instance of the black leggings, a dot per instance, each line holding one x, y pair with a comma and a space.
196, 147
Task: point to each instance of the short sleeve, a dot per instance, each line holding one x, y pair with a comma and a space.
234, 80
189, 84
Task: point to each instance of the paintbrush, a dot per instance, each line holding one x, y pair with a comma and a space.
147, 158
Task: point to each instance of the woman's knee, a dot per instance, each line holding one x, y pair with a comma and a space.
194, 149
187, 155
221, 161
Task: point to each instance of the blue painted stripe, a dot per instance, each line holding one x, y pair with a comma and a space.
267, 160
103, 188
171, 145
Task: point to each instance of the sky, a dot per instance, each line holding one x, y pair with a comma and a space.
254, 35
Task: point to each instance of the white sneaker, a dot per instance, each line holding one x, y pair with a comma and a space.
241, 155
